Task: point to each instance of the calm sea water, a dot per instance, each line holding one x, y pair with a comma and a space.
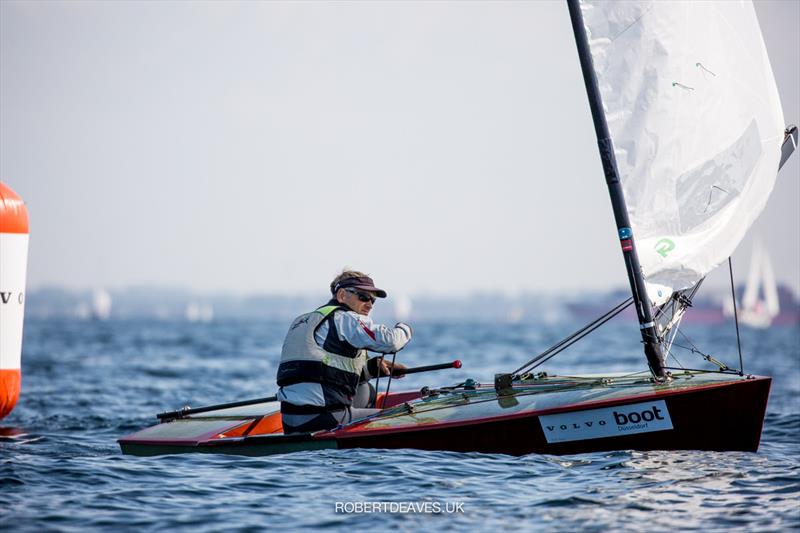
87, 383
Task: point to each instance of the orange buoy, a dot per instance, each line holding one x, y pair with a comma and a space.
13, 264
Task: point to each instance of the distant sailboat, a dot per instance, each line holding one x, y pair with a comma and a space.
101, 304
402, 308
196, 312
760, 303
515, 312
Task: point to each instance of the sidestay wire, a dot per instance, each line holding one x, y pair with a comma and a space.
736, 318
571, 339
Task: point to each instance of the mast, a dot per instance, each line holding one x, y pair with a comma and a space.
652, 348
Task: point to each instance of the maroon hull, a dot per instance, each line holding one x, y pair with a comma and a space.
725, 417
547, 414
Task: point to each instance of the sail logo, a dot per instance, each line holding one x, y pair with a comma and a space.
607, 422
664, 247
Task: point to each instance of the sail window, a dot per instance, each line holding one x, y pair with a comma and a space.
708, 188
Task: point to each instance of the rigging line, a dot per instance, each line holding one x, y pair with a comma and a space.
378, 365
563, 345
707, 357
616, 380
670, 335
677, 306
661, 310
460, 400
670, 353
599, 322
567, 339
391, 372
667, 307
706, 371
593, 325
736, 318
693, 348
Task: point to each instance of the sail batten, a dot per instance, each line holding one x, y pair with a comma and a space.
696, 124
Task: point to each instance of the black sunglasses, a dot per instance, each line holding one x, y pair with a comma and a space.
362, 296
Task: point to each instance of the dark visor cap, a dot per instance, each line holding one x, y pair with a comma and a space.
364, 283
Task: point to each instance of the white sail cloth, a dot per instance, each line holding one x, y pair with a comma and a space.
696, 123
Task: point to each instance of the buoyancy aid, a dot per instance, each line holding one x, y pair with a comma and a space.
330, 372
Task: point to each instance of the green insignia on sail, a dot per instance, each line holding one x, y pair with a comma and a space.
664, 247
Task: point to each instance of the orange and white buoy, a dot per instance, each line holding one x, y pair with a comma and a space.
13, 264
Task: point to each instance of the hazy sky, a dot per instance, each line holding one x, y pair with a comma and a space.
262, 146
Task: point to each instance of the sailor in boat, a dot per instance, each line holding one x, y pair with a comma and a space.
324, 370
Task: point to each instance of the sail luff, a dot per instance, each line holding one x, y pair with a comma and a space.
621, 217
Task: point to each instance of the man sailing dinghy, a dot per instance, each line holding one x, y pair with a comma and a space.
691, 136
324, 370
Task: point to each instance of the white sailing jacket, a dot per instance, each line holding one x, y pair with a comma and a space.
324, 356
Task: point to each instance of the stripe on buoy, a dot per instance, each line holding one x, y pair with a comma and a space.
13, 265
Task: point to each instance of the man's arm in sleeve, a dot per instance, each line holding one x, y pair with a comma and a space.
361, 332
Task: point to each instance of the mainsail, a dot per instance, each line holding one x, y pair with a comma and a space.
696, 124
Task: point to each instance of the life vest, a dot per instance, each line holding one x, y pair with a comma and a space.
335, 367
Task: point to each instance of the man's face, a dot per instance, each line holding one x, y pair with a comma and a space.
354, 299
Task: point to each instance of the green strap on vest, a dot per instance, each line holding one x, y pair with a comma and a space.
328, 309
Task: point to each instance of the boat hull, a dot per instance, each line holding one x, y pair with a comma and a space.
255, 446
696, 411
727, 418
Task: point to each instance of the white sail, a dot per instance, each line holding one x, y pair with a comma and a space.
696, 123
402, 308
760, 303
101, 304
196, 312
